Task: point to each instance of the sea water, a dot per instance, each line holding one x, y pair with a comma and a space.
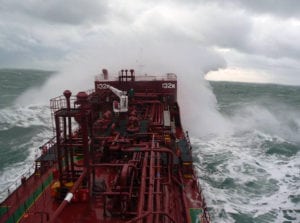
249, 171
252, 172
23, 127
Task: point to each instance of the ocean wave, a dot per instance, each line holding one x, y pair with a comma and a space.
10, 175
244, 182
24, 116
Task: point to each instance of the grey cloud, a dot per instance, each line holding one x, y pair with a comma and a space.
233, 28
284, 8
281, 8
73, 12
21, 46
227, 29
275, 38
39, 30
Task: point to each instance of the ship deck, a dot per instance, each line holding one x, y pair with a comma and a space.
127, 160
184, 193
24, 197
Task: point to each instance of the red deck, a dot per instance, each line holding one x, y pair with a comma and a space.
128, 160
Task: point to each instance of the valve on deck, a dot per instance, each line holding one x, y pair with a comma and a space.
102, 124
133, 124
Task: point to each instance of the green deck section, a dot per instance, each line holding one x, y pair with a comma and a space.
195, 214
3, 210
29, 201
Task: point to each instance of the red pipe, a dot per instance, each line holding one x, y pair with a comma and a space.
58, 146
123, 175
158, 204
148, 213
166, 199
150, 187
143, 181
139, 217
183, 197
68, 196
115, 193
161, 149
112, 165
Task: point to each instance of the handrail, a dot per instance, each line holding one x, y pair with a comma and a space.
145, 77
6, 192
68, 196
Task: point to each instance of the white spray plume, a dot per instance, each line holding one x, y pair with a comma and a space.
145, 55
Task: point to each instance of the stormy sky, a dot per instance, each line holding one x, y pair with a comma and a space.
240, 40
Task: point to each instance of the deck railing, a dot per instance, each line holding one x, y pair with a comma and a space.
60, 102
14, 185
22, 207
145, 77
27, 174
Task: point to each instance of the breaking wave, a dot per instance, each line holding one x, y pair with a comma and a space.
251, 174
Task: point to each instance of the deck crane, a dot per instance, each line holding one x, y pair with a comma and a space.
121, 106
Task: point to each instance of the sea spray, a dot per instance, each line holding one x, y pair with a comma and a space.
146, 53
198, 107
22, 128
252, 174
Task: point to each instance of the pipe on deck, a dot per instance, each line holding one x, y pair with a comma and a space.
149, 213
143, 186
161, 149
151, 187
158, 183
166, 199
183, 197
68, 197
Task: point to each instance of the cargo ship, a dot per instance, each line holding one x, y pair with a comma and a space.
119, 154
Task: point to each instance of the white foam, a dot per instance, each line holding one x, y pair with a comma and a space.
10, 176
24, 116
280, 120
262, 183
